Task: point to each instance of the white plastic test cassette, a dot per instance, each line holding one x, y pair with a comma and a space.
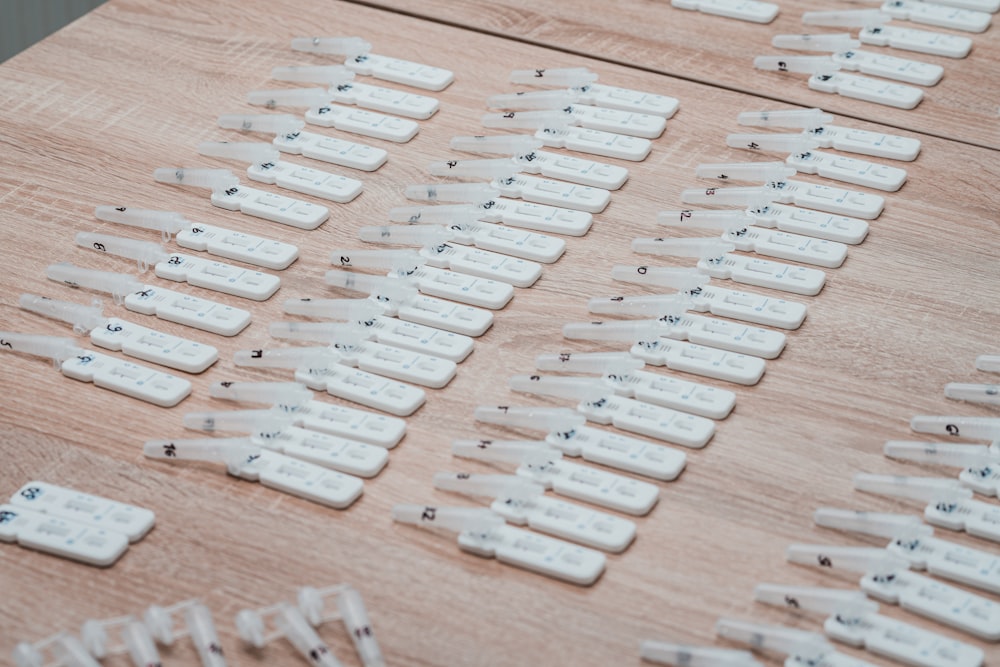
889, 67
938, 15
400, 71
700, 360
365, 123
914, 541
509, 241
444, 284
866, 88
122, 336
864, 142
61, 537
523, 503
295, 399
918, 41
148, 300
854, 620
595, 142
133, 522
629, 123
553, 193
613, 97
206, 238
247, 460
483, 264
484, 533
266, 167
537, 217
331, 149
386, 100
599, 404
854, 203
573, 169
817, 224
801, 647
367, 315
232, 196
848, 170
567, 431
678, 655
273, 429
887, 578
744, 10
544, 465
748, 307
400, 299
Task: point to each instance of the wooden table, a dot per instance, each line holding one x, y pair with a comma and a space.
651, 35
89, 113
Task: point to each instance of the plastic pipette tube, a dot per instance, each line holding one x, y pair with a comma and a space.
254, 152
941, 453
703, 248
329, 75
285, 393
927, 489
659, 276
628, 331
569, 77
454, 519
543, 418
746, 171
335, 46
292, 357
785, 143
227, 450
987, 394
648, 305
506, 451
686, 655
866, 560
589, 362
798, 64
527, 120
987, 428
813, 598
491, 486
334, 309
879, 524
56, 348
143, 252
452, 192
297, 97
500, 144
769, 637
361, 282
378, 259
988, 362
705, 219
281, 123
236, 420
344, 333
166, 222
117, 284
801, 118
440, 214
832, 42
425, 235
213, 179
538, 99
851, 18
495, 168
753, 197
574, 388
83, 318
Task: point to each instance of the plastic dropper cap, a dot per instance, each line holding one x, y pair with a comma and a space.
721, 220
452, 192
831, 42
683, 279
117, 284
143, 252
536, 99
589, 362
500, 144
746, 171
297, 97
557, 77
454, 519
440, 214
335, 309
335, 46
215, 179
851, 18
495, 168
544, 418
986, 394
166, 222
798, 64
400, 259
424, 235
802, 118
493, 486
528, 120
56, 348
702, 248
685, 655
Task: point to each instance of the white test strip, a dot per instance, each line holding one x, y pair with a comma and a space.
442, 314
764, 273
537, 217
654, 421
126, 378
807, 222
748, 307
270, 206
368, 389
239, 246
483, 263
785, 245
150, 345
972, 567
188, 310
854, 203
938, 15
724, 335
916, 40
619, 451
573, 169
889, 67
61, 537
306, 180
699, 360
470, 290
218, 276
300, 478
865, 88
330, 451
347, 422
132, 521
364, 123
509, 241
672, 392
568, 521
596, 142
330, 149
848, 170
393, 362
599, 487
386, 100
744, 10
883, 635
418, 337
629, 123
400, 71
876, 144
553, 193
975, 517
613, 97
941, 602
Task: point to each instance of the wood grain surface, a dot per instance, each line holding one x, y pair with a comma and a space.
90, 112
652, 35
